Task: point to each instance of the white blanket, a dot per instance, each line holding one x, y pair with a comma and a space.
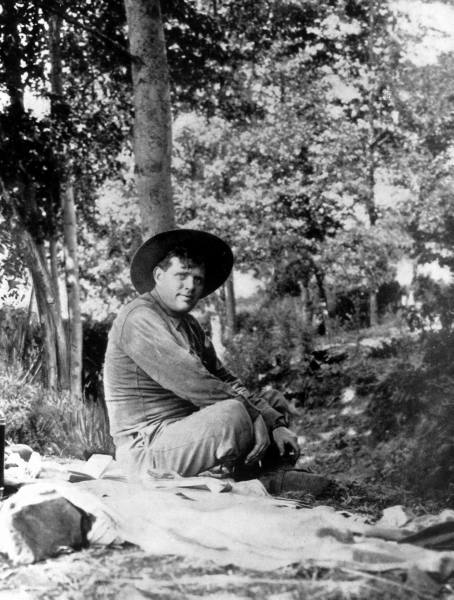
251, 531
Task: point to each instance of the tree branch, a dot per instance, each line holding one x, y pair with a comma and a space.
91, 30
379, 139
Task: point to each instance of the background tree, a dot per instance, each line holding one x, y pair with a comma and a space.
25, 158
152, 121
35, 152
276, 128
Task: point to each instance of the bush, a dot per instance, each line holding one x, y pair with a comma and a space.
268, 345
87, 429
411, 415
20, 338
21, 341
430, 467
49, 423
272, 348
396, 401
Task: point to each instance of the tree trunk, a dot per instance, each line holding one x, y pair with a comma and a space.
152, 122
305, 303
35, 259
230, 308
53, 258
26, 328
50, 350
373, 308
323, 299
216, 335
72, 281
56, 81
56, 96
66, 191
12, 63
371, 159
45, 298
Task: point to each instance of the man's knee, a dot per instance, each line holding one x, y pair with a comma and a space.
236, 432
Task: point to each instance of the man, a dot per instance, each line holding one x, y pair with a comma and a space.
172, 405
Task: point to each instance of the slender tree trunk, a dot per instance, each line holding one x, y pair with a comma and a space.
48, 331
373, 308
56, 97
152, 122
53, 259
35, 258
12, 57
230, 306
371, 159
216, 335
56, 81
323, 299
72, 278
305, 303
373, 313
27, 327
66, 191
55, 333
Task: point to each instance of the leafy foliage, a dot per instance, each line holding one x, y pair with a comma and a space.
51, 424
410, 415
268, 344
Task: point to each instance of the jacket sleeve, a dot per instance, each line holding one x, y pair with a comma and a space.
147, 340
272, 417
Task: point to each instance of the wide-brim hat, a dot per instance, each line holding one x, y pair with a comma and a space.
216, 253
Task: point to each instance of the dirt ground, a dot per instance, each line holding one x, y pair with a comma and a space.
126, 573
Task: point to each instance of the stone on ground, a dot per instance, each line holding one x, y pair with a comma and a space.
36, 526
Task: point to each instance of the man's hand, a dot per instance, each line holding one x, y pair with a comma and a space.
285, 437
262, 441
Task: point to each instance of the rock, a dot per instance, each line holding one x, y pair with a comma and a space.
394, 516
36, 525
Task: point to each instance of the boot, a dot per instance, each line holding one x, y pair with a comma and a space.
290, 479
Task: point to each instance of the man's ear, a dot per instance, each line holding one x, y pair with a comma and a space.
157, 273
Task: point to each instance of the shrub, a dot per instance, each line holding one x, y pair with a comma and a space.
87, 429
20, 338
269, 343
50, 424
396, 401
272, 347
430, 467
411, 415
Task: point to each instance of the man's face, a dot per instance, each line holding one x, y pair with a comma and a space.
180, 286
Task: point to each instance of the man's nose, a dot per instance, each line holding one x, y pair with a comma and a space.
189, 282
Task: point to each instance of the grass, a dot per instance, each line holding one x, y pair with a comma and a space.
336, 440
88, 431
49, 422
126, 572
